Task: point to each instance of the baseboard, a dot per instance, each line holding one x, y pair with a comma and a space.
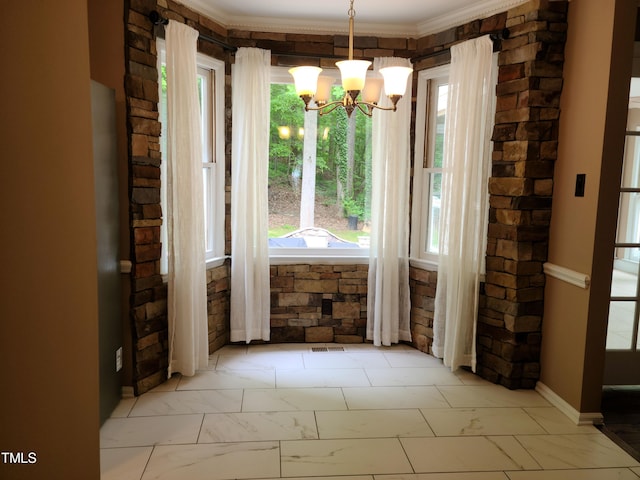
127, 392
579, 418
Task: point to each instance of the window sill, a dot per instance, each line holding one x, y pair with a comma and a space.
432, 266
215, 262
318, 256
424, 264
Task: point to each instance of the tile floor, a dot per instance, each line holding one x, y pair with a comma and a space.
365, 413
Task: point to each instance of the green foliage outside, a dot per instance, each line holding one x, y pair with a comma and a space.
286, 150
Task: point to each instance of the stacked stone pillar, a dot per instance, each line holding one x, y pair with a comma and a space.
525, 148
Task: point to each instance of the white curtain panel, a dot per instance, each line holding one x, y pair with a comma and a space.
250, 289
464, 207
187, 302
388, 299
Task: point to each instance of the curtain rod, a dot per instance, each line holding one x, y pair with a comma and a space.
495, 36
158, 19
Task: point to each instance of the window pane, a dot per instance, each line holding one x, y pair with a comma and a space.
629, 218
319, 174
206, 113
624, 281
631, 169
620, 325
433, 223
441, 114
207, 179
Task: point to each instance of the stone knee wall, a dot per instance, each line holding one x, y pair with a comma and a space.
422, 284
319, 303
218, 299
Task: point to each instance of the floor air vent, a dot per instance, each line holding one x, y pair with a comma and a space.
327, 349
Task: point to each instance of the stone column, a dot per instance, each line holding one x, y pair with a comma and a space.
525, 148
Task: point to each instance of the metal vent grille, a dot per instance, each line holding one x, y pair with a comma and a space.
327, 349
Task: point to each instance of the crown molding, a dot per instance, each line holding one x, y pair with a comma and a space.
464, 15
476, 10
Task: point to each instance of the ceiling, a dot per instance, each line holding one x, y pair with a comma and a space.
404, 18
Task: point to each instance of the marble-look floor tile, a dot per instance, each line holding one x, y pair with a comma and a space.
220, 379
481, 421
412, 358
341, 477
168, 386
469, 378
260, 361
345, 360
472, 396
124, 407
123, 463
217, 461
310, 377
576, 451
259, 426
370, 347
372, 424
588, 474
554, 421
447, 476
187, 401
343, 457
377, 398
144, 431
232, 350
399, 376
282, 348
471, 454
291, 399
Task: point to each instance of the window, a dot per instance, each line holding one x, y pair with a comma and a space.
319, 176
211, 93
430, 134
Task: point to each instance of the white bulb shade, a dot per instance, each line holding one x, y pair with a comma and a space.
371, 91
395, 79
353, 73
305, 79
323, 93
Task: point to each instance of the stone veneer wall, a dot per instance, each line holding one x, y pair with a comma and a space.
148, 296
525, 136
422, 284
525, 147
319, 303
218, 291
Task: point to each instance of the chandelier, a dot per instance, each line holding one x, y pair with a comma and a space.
310, 85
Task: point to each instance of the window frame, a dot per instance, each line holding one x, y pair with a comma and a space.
292, 255
426, 111
213, 130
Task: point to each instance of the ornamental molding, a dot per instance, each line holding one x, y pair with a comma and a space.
477, 10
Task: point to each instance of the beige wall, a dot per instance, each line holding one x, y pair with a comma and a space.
48, 310
593, 112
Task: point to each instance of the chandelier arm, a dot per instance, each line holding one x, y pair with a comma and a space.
367, 111
326, 110
375, 105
